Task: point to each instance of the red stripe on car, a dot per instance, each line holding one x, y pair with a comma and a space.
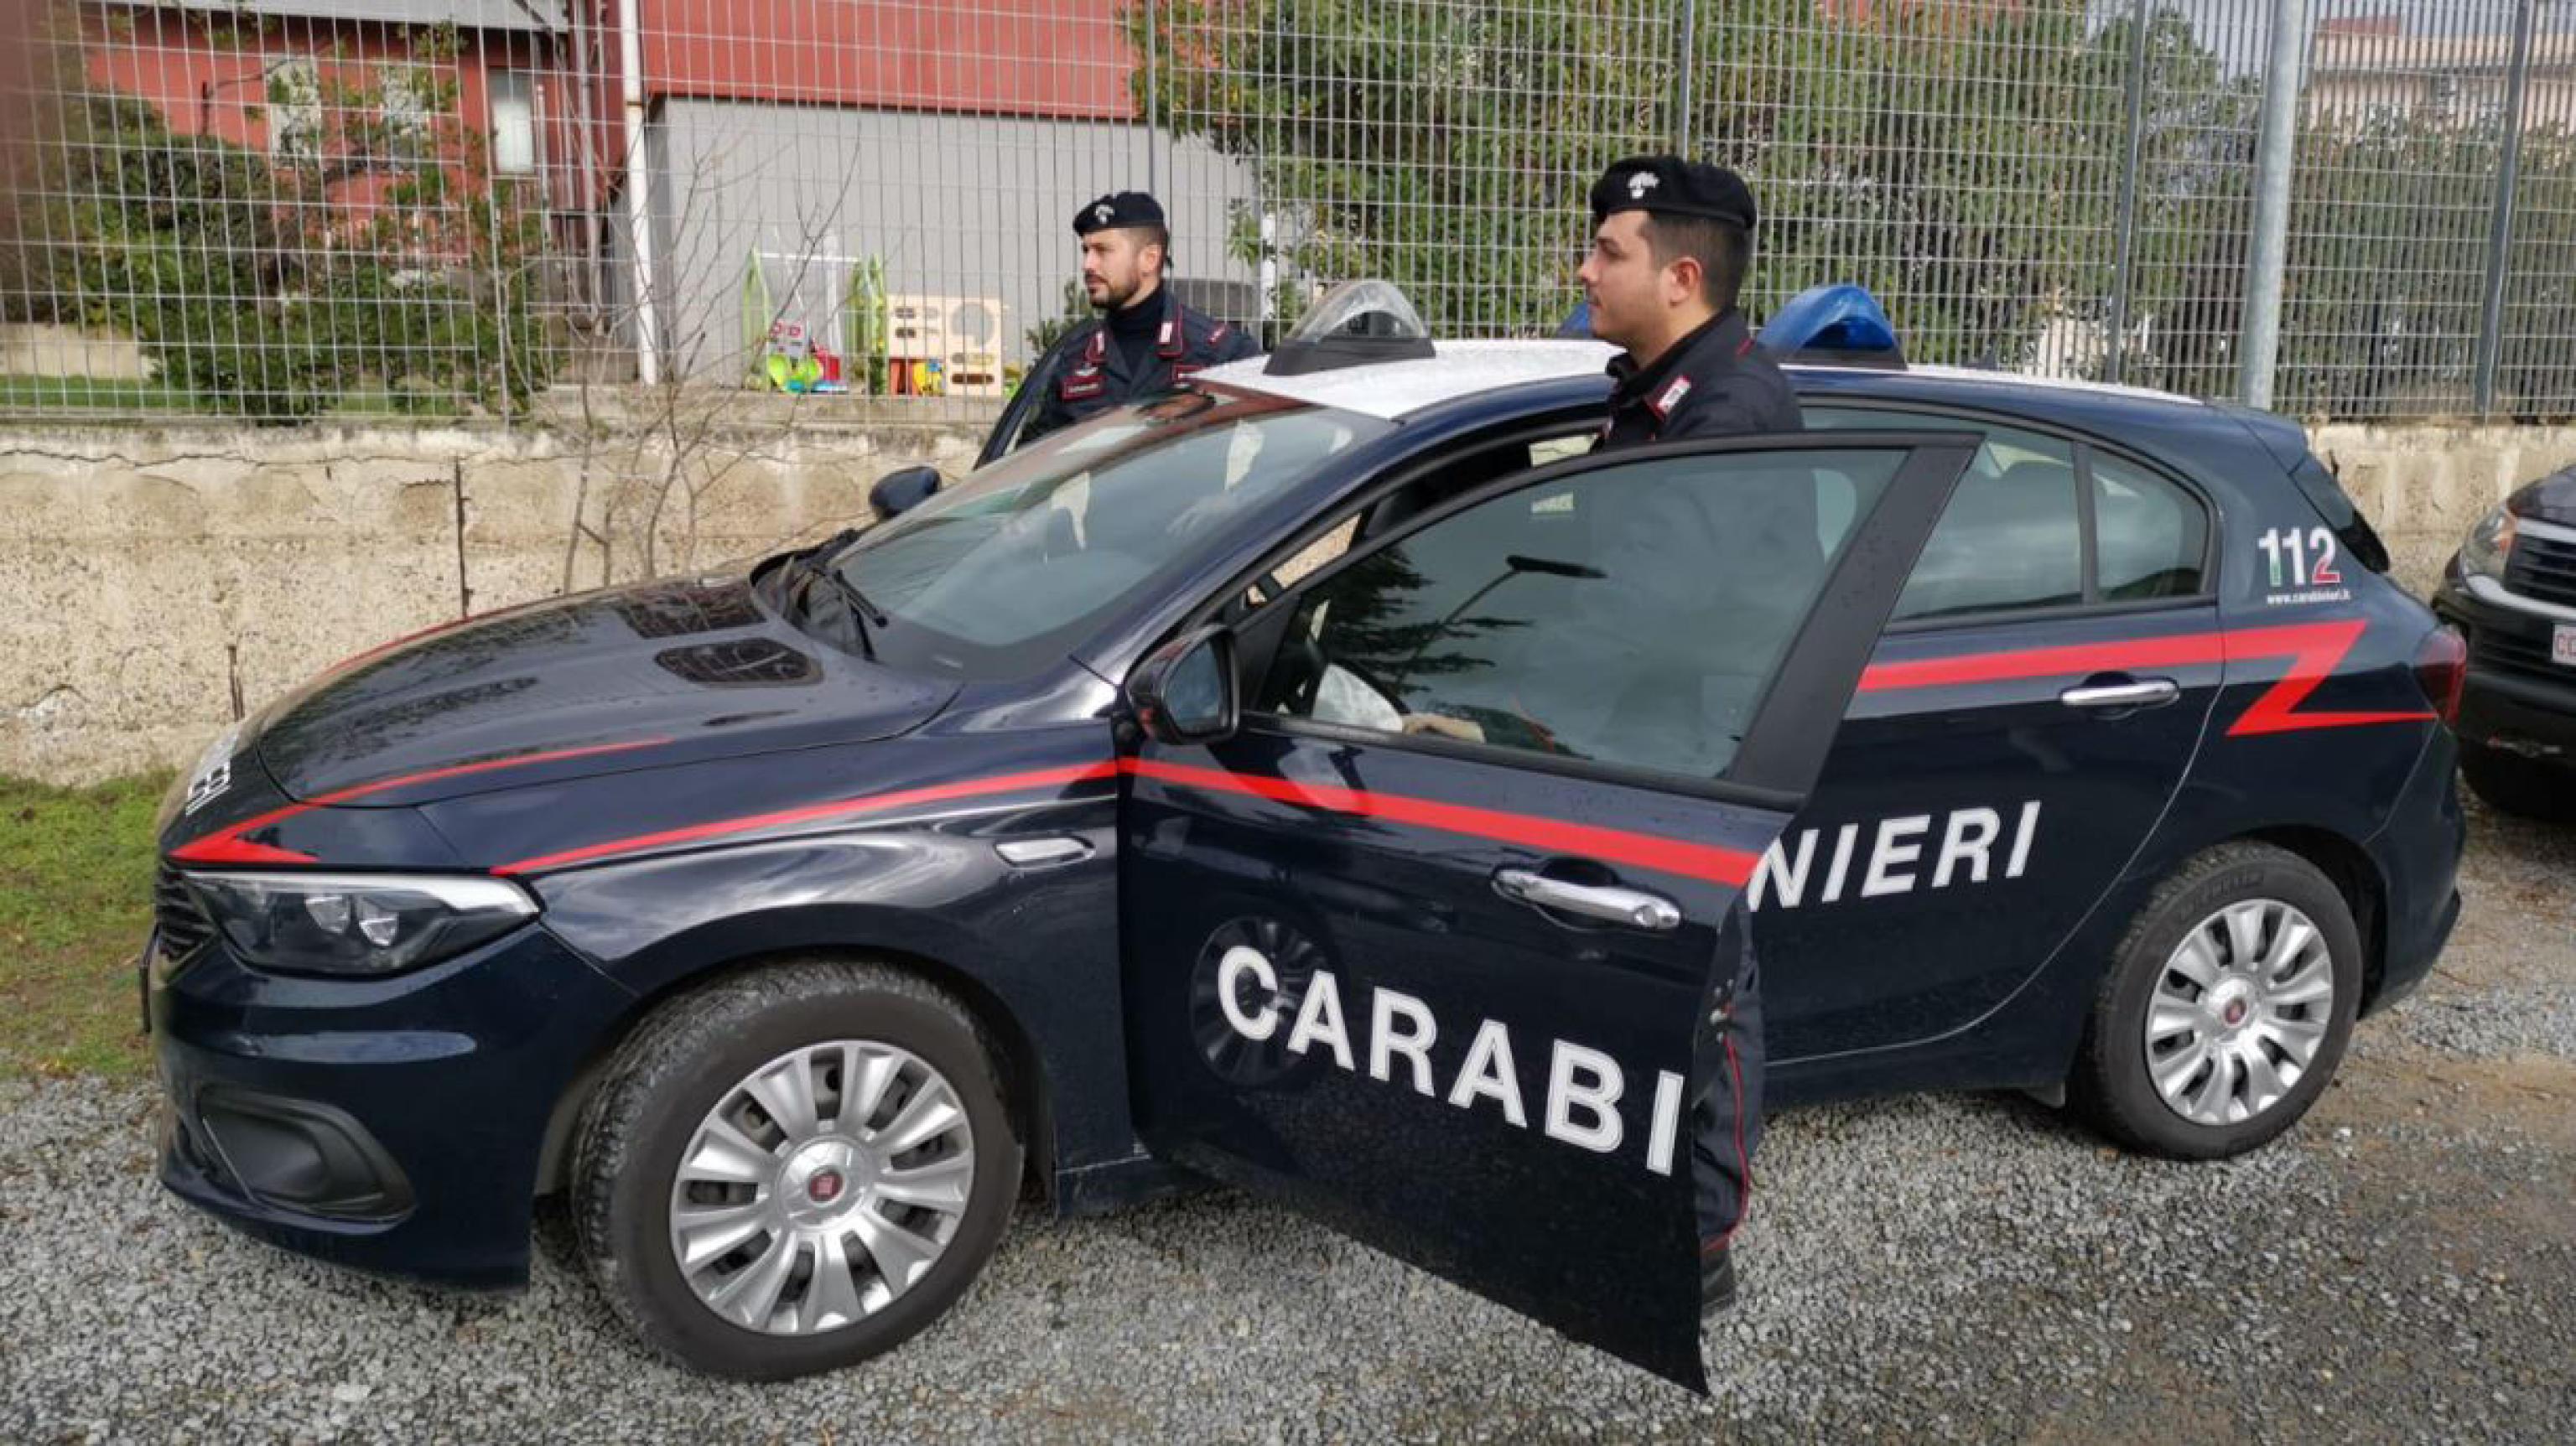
812, 813
2315, 650
230, 846
1647, 851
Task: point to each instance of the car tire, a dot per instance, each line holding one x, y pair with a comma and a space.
863, 1053
2523, 787
2200, 1045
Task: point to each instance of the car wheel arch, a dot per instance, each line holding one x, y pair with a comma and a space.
2349, 867
1025, 1088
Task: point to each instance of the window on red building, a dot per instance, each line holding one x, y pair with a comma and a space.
514, 122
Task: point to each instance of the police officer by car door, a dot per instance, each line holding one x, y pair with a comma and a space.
1144, 342
1671, 242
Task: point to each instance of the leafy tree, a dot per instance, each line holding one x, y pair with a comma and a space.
1962, 161
1446, 147
372, 254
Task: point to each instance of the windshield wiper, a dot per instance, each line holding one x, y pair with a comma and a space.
870, 616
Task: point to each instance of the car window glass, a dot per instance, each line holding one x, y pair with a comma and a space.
2150, 535
993, 577
2012, 537
1472, 468
1630, 616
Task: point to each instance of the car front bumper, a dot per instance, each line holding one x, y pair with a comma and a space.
388, 1124
2515, 698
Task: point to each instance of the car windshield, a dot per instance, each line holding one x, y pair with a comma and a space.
1003, 573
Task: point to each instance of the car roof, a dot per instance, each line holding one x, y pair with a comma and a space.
1541, 374
1395, 390
1462, 371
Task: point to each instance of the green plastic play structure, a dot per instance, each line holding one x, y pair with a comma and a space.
788, 359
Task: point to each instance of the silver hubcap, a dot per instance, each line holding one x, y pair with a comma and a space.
2238, 1012
822, 1187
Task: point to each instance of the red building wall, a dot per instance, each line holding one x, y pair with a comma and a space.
1061, 59
205, 79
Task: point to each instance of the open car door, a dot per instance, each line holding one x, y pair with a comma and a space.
1422, 940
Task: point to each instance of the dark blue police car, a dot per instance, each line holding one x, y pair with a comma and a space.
1330, 779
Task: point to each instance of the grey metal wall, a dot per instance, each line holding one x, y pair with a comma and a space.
958, 206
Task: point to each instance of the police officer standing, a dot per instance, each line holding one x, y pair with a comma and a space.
1671, 242
1146, 340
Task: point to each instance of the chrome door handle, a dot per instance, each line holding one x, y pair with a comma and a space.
2151, 693
1633, 907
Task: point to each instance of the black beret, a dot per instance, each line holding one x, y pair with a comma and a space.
1118, 209
1669, 185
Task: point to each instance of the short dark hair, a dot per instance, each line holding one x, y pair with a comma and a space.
1724, 252
1158, 236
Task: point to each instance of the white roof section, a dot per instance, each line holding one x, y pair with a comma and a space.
2017, 379
1397, 389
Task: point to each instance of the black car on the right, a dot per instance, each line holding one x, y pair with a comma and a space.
2512, 589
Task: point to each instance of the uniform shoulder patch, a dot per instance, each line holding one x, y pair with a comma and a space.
1671, 397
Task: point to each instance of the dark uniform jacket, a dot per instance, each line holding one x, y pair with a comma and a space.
1711, 383
1088, 372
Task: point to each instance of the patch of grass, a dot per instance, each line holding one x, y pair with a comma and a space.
75, 904
89, 394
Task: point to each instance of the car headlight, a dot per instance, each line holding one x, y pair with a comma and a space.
358, 924
2483, 553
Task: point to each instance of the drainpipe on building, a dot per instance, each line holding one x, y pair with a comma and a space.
639, 210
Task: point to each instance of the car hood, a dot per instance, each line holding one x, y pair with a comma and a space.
634, 677
2551, 499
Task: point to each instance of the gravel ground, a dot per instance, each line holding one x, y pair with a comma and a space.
2402, 1267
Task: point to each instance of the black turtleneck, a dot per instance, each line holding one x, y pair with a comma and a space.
1134, 329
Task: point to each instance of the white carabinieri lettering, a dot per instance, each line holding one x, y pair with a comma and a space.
1585, 1090
1893, 858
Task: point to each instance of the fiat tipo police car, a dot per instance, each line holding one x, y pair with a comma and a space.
1331, 779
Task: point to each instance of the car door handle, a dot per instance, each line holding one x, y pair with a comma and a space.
1633, 907
2148, 693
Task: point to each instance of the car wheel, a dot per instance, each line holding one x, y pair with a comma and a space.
794, 1169
2226, 1008
2523, 787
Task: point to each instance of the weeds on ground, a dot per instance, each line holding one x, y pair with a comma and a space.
75, 903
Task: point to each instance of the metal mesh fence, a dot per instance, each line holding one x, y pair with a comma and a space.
285, 210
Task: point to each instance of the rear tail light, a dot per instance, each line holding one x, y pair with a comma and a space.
2442, 670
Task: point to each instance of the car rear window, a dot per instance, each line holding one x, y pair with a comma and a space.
2353, 530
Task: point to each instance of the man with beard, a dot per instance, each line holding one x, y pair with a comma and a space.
1145, 340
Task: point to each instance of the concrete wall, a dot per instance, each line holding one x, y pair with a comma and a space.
2422, 486
158, 579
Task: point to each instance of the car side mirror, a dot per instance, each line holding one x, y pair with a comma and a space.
902, 490
1186, 691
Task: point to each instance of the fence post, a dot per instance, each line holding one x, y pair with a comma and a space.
2123, 264
639, 180
2500, 227
1682, 62
1153, 94
2259, 345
